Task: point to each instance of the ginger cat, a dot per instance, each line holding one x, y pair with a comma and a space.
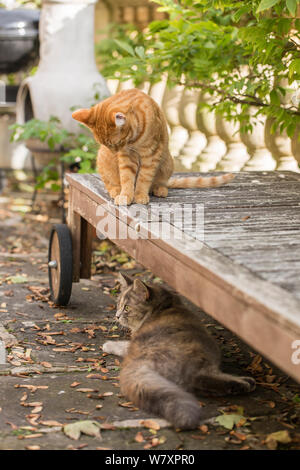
134, 159
170, 358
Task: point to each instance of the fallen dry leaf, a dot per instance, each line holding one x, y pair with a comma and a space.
50, 423
34, 403
203, 428
127, 404
90, 428
75, 330
32, 388
73, 410
13, 426
107, 426
150, 424
238, 435
61, 349
32, 419
37, 410
139, 437
75, 384
30, 436
24, 397
198, 437
46, 364
274, 438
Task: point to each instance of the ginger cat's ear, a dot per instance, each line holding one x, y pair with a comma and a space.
120, 119
84, 116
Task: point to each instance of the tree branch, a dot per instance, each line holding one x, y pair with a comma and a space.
252, 101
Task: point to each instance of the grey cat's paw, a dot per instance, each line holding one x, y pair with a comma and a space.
187, 417
119, 348
241, 385
251, 383
109, 347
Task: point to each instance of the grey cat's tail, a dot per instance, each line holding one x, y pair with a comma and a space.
152, 392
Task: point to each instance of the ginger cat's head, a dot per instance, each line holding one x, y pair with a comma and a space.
108, 126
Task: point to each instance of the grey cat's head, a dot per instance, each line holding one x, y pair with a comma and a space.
134, 302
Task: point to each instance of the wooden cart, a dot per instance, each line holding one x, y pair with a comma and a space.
245, 272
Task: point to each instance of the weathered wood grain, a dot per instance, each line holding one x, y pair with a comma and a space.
86, 239
74, 223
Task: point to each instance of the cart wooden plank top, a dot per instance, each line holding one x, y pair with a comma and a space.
236, 255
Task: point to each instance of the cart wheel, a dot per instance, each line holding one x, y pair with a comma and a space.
60, 264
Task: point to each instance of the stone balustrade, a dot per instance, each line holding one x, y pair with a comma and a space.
201, 140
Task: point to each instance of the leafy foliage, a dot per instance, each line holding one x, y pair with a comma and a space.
45, 131
245, 54
76, 150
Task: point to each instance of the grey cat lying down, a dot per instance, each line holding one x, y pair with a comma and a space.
170, 358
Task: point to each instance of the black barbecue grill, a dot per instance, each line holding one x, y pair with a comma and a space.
19, 44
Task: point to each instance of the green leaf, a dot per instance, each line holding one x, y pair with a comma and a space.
125, 46
240, 12
55, 187
296, 399
266, 4
294, 68
228, 421
274, 98
51, 143
291, 6
17, 279
140, 51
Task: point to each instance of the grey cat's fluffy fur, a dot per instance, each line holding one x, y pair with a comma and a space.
170, 358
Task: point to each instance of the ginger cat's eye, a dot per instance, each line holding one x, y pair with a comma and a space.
126, 308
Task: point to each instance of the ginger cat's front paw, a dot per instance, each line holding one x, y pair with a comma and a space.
123, 200
114, 192
160, 191
141, 198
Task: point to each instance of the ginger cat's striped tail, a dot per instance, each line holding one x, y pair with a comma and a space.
199, 181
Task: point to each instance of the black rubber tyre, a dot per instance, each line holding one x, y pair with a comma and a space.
60, 253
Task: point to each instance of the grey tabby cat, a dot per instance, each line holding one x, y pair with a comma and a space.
170, 357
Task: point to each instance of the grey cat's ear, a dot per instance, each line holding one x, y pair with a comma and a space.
141, 289
120, 119
124, 280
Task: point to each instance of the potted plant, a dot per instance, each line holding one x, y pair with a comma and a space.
45, 139
52, 145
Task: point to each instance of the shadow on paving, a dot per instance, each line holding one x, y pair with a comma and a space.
57, 374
